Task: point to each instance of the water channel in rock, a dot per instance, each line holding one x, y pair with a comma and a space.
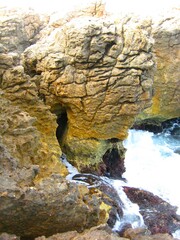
152, 163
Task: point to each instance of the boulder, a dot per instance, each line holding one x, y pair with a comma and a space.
51, 206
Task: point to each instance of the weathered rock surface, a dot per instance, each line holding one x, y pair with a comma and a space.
98, 70
99, 233
49, 207
143, 234
19, 29
27, 126
166, 100
110, 196
29, 150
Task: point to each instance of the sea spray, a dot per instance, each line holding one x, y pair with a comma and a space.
131, 213
152, 165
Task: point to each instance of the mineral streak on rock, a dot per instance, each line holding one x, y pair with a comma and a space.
166, 100
99, 70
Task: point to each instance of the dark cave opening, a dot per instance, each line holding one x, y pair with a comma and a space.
114, 161
62, 121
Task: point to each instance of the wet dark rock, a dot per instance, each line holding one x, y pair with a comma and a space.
114, 161
177, 150
169, 123
175, 132
170, 126
149, 127
159, 216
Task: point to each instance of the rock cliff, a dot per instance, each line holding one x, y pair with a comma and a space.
166, 99
98, 72
27, 126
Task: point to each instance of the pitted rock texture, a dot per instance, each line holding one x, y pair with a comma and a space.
49, 207
166, 100
30, 207
23, 142
27, 126
19, 29
100, 71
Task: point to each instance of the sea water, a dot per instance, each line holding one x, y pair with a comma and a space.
153, 164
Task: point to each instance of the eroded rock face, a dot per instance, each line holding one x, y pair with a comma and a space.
101, 71
166, 33
19, 29
49, 207
28, 208
96, 71
27, 126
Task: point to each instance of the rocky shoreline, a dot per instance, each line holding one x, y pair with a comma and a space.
76, 85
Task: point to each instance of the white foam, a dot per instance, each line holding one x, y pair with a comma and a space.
131, 214
71, 169
176, 234
152, 165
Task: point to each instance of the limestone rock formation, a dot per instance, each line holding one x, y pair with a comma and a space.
27, 126
83, 79
51, 206
99, 72
143, 234
166, 100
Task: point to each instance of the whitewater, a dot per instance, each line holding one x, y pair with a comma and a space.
152, 163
